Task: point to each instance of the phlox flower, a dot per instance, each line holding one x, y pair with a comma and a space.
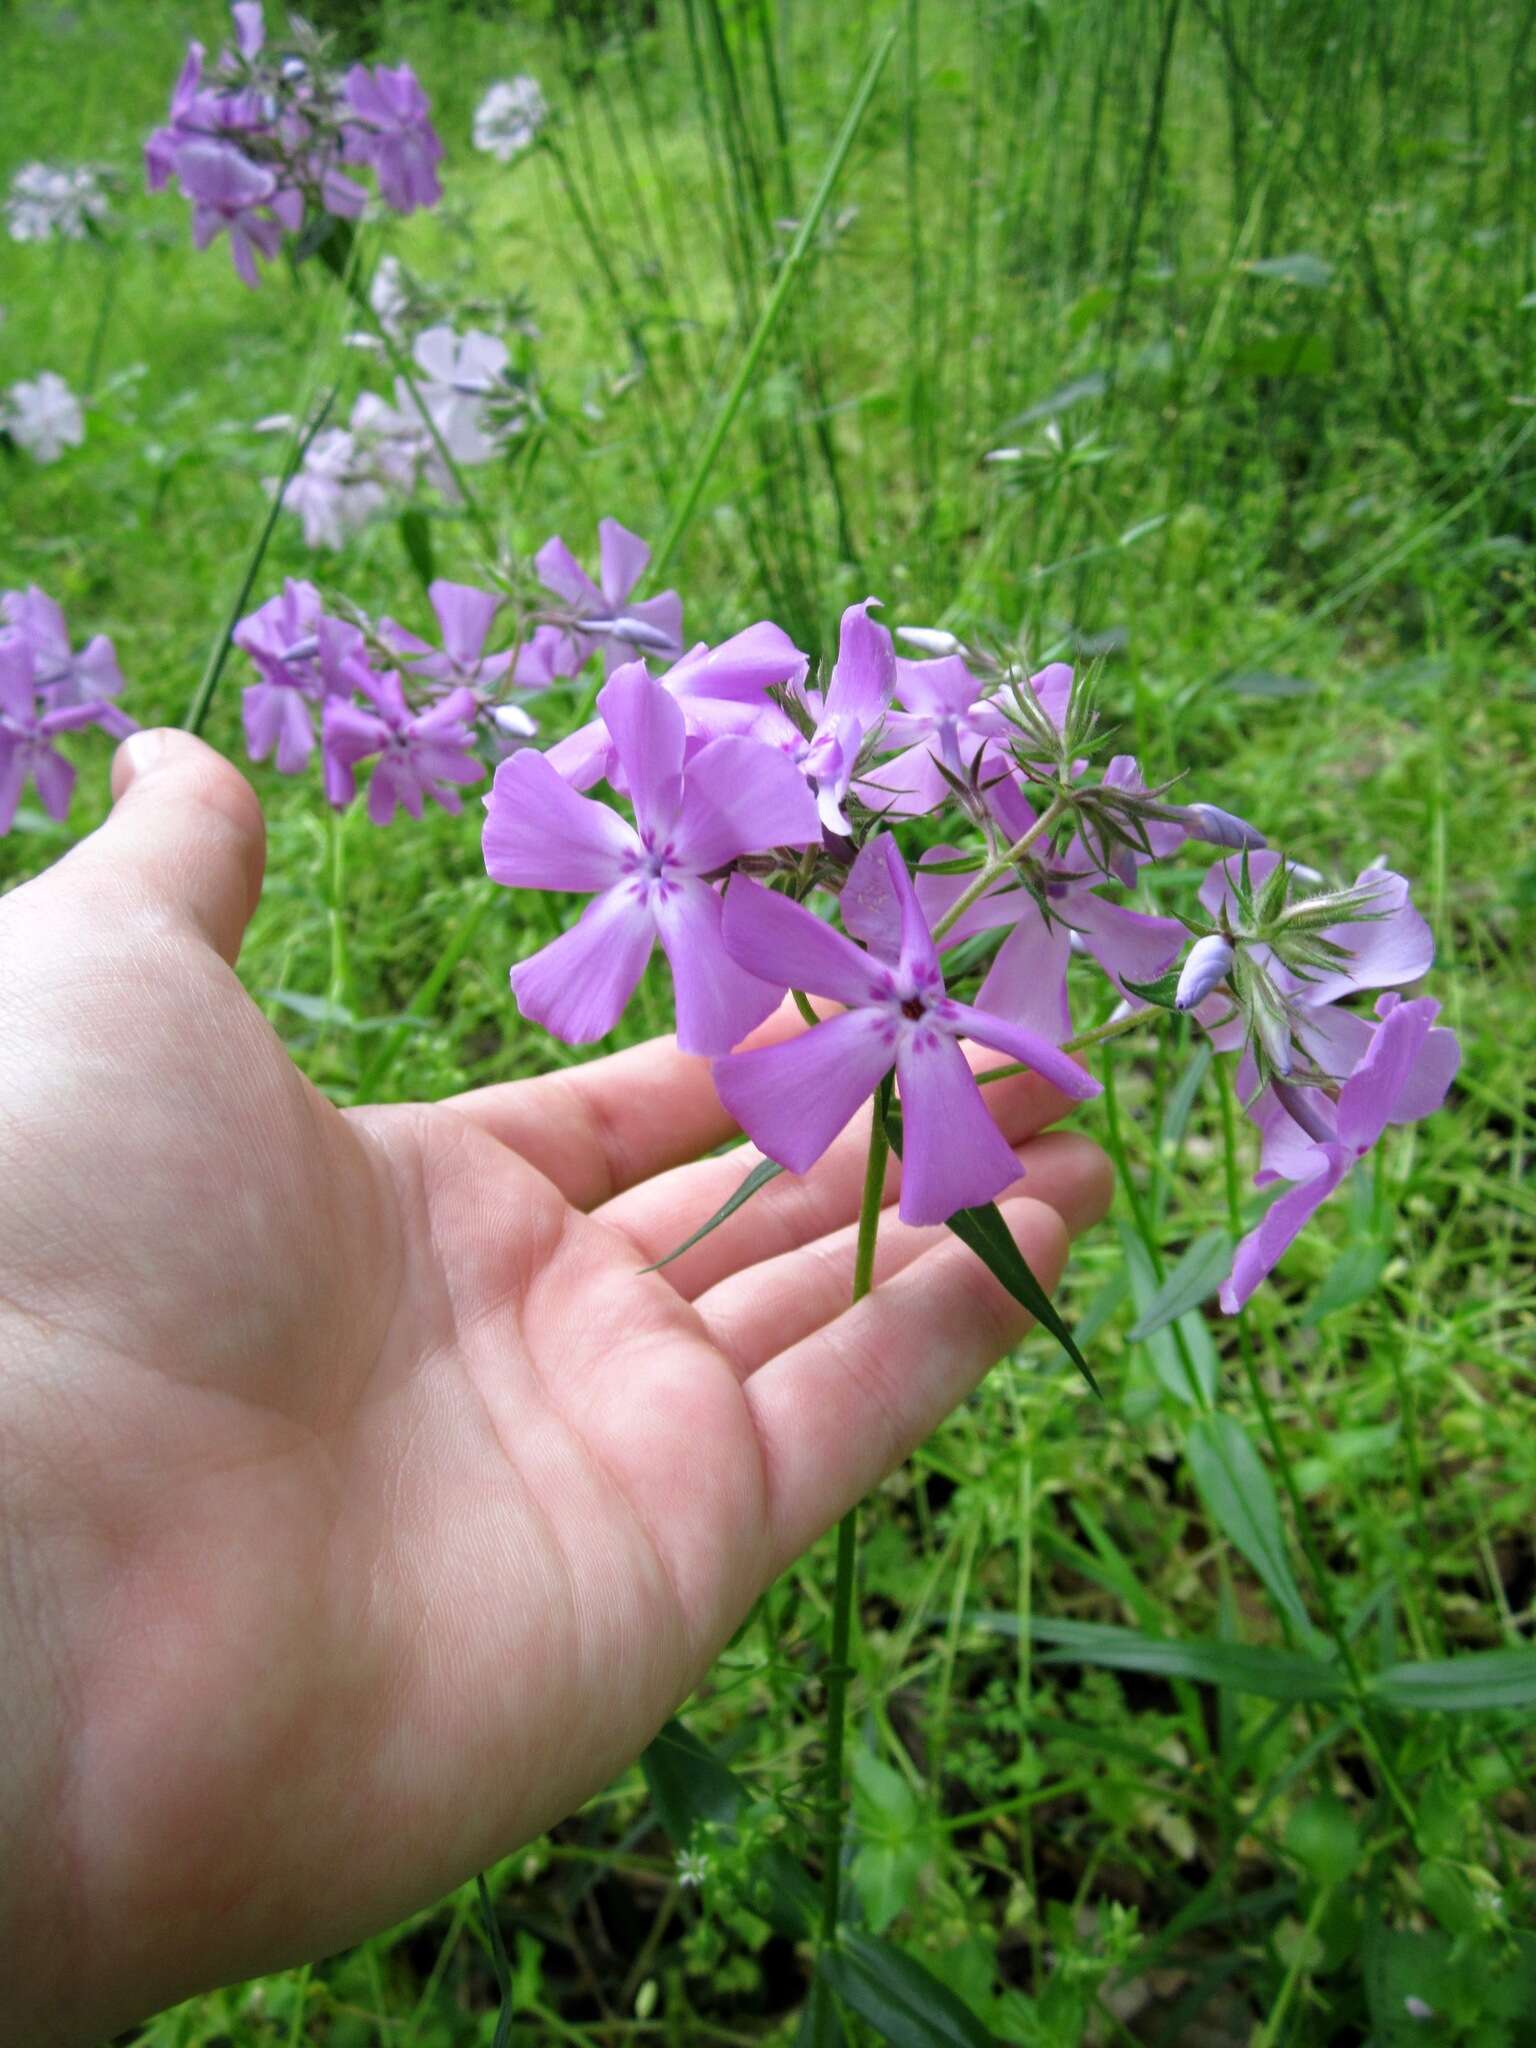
943, 719
416, 754
350, 474
49, 200
42, 415
1402, 1074
848, 715
719, 690
1027, 981
391, 129
650, 880
63, 678
282, 640
27, 732
460, 376
231, 193
465, 616
509, 117
596, 615
792, 1099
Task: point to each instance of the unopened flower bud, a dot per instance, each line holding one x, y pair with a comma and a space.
1222, 828
930, 639
631, 632
513, 720
1209, 963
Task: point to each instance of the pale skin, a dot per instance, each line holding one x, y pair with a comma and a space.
363, 1506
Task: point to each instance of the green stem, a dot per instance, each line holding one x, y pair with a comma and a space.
1100, 1034
202, 697
998, 867
794, 263
839, 1671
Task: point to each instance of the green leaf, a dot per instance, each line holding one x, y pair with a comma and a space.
1182, 1101
765, 1171
416, 539
904, 2002
1482, 1682
1462, 1980
1235, 1486
1354, 1275
1160, 992
1193, 1280
892, 1852
1168, 1361
688, 1785
1321, 1834
985, 1233
1285, 1675
821, 2024
1283, 355
1263, 682
1311, 273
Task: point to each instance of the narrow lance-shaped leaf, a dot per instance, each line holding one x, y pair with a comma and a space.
765, 1171
904, 2002
1235, 1486
1193, 1280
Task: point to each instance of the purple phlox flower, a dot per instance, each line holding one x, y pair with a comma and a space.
856, 701
162, 144
793, 1099
1389, 948
63, 678
460, 374
282, 639
417, 754
465, 616
391, 128
943, 719
650, 880
27, 733
719, 690
228, 191
1027, 980
597, 615
1400, 1076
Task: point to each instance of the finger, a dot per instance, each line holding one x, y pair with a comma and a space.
839, 1410
603, 1127
754, 1314
794, 1209
185, 842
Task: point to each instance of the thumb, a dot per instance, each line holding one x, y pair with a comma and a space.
185, 840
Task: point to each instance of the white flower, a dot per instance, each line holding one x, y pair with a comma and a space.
43, 416
51, 199
351, 474
509, 117
693, 1867
389, 296
461, 375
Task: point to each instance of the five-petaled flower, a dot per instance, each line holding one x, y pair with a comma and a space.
792, 1099
651, 880
596, 615
416, 754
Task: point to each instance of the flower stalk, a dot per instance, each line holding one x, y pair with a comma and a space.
999, 866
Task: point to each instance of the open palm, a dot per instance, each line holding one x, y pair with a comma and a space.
364, 1506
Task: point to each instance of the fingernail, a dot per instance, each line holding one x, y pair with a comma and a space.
139, 754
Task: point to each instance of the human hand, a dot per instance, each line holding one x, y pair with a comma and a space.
364, 1507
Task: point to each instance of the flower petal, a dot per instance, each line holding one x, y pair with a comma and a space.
793, 1099
539, 834
953, 1155
1126, 943
865, 671
1369, 1098
718, 1003
745, 666
465, 616
1263, 1248
622, 559
1392, 947
577, 985
1032, 1047
560, 572
784, 943
1027, 981
649, 737
740, 796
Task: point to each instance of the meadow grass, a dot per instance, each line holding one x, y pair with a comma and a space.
1250, 287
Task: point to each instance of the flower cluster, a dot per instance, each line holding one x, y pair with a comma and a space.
461, 403
509, 117
264, 139
760, 843
56, 202
42, 416
46, 690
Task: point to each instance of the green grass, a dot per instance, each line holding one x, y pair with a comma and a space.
1296, 500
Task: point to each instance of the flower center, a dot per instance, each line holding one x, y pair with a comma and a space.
913, 1007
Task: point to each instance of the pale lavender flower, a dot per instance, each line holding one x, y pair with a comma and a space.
64, 678
416, 755
391, 129
597, 615
719, 690
857, 699
54, 200
465, 616
792, 1099
27, 733
463, 386
352, 474
651, 880
42, 415
1027, 980
944, 721
282, 640
509, 117
1400, 1077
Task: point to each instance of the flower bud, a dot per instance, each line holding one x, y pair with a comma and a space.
930, 639
1209, 963
1222, 828
630, 632
1303, 1107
